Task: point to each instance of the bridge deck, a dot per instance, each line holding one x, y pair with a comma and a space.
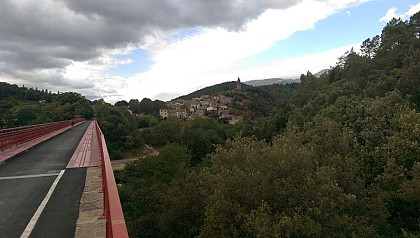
39, 196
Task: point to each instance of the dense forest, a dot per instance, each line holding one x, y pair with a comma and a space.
331, 156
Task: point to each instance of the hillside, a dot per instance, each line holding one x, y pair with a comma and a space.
222, 88
212, 90
21, 106
250, 102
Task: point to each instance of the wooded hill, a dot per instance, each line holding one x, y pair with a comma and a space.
21, 106
217, 89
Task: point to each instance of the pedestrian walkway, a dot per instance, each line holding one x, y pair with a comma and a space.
87, 152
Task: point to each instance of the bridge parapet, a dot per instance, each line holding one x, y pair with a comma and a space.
115, 222
15, 136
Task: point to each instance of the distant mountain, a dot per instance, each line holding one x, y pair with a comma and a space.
320, 73
263, 82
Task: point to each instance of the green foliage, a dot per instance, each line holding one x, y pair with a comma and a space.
25, 114
147, 121
165, 132
134, 106
121, 103
145, 106
21, 106
200, 135
119, 128
144, 184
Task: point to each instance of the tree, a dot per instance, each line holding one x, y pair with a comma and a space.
166, 132
25, 114
143, 186
119, 128
147, 107
121, 103
134, 106
369, 47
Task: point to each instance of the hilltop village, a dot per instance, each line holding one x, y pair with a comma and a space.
204, 106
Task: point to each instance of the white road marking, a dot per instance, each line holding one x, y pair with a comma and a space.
28, 230
29, 176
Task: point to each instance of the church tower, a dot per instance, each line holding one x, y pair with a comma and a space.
238, 84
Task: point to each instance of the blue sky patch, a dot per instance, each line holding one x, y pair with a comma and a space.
141, 62
343, 28
183, 34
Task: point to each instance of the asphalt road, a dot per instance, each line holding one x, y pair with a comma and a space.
26, 180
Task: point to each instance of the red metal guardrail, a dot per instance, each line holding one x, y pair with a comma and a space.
15, 136
115, 222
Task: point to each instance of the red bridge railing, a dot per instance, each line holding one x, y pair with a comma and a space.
115, 222
15, 136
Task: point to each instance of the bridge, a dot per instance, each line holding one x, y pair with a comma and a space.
56, 180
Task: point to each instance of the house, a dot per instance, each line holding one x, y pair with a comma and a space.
225, 100
205, 105
201, 111
163, 113
223, 113
211, 109
235, 119
181, 113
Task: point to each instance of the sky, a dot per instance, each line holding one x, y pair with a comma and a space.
132, 49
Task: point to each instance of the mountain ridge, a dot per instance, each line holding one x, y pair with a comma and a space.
269, 81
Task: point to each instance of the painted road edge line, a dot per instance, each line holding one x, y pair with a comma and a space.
28, 176
28, 230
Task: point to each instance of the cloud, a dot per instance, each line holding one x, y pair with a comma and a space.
171, 14
146, 85
71, 44
56, 33
392, 13
413, 10
215, 55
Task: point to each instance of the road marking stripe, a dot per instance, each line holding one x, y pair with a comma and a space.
29, 176
28, 230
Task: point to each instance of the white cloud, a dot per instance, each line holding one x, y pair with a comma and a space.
392, 13
209, 56
215, 55
413, 9
148, 85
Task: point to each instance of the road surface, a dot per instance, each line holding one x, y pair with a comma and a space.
39, 197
